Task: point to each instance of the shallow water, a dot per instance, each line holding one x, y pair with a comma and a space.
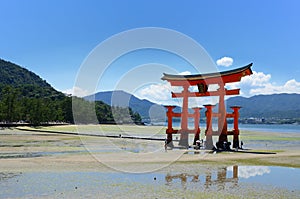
235, 180
284, 128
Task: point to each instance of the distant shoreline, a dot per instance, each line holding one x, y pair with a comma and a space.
8, 125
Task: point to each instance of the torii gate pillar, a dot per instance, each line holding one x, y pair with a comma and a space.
184, 135
209, 130
222, 121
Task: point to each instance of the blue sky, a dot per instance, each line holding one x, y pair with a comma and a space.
53, 38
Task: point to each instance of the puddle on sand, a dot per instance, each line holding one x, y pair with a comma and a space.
36, 154
235, 180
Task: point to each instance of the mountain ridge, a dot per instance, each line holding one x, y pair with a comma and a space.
144, 107
26, 81
283, 105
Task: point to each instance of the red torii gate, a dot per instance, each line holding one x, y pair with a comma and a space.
202, 81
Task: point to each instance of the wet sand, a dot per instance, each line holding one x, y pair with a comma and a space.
39, 152
23, 150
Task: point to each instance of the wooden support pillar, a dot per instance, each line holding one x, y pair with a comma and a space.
170, 129
221, 175
235, 171
170, 118
184, 136
209, 129
236, 130
222, 121
208, 181
170, 140
235, 174
196, 124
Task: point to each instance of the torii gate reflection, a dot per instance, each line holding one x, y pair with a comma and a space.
202, 81
220, 181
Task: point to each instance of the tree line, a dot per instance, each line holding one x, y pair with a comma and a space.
26, 105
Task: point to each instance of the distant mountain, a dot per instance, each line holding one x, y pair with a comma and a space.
259, 106
267, 106
27, 82
144, 107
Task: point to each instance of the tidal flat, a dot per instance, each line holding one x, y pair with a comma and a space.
40, 164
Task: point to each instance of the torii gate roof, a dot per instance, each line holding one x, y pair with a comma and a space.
234, 75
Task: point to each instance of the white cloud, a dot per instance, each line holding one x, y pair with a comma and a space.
260, 83
161, 94
158, 93
185, 73
291, 86
251, 171
225, 61
76, 91
256, 79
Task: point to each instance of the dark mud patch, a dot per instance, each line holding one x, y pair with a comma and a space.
36, 154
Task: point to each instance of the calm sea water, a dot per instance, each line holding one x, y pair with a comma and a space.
287, 128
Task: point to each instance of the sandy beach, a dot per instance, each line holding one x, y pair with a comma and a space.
27, 152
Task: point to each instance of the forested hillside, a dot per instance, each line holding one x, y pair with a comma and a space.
26, 82
25, 97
